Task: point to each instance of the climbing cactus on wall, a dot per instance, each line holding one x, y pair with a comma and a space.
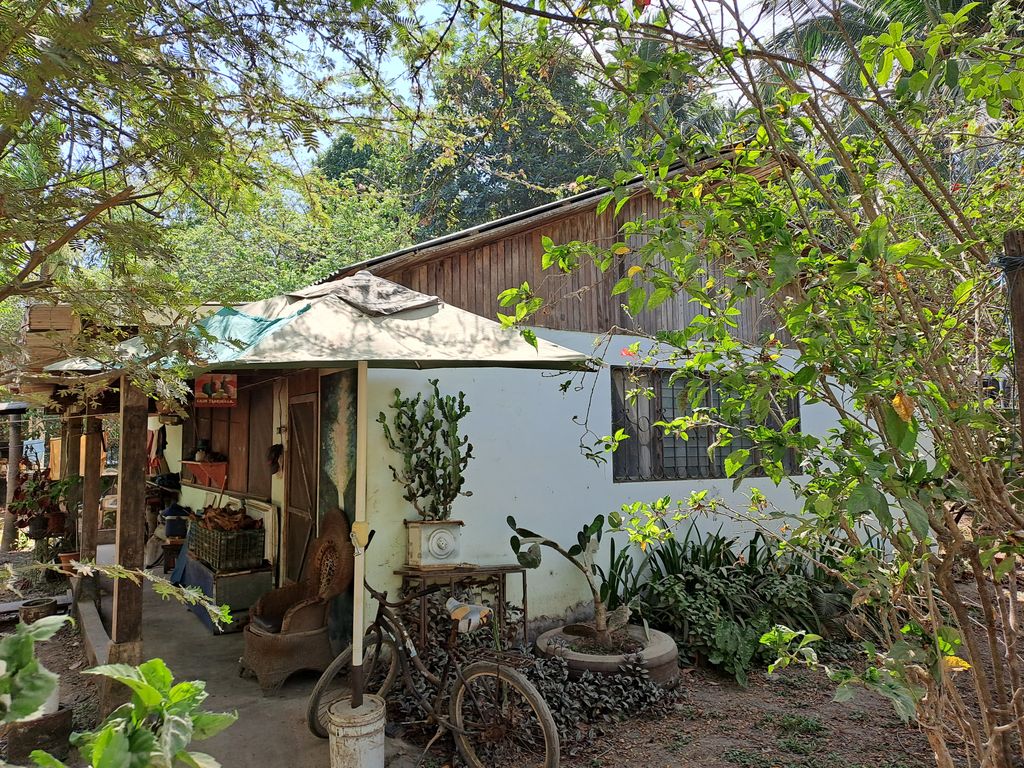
424, 431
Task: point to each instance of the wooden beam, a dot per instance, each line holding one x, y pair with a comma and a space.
130, 538
91, 487
13, 460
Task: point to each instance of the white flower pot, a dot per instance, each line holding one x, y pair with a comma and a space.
434, 543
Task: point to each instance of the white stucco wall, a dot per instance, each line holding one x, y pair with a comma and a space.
528, 464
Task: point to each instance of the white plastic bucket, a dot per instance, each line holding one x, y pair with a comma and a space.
357, 735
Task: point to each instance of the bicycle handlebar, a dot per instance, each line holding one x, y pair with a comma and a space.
382, 597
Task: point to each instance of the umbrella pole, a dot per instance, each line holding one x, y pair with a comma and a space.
360, 530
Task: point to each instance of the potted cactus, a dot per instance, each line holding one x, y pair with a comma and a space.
424, 431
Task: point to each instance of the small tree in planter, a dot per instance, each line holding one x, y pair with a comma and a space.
581, 555
425, 432
657, 651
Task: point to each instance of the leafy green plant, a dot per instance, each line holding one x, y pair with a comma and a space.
425, 432
720, 604
581, 555
25, 684
154, 729
624, 582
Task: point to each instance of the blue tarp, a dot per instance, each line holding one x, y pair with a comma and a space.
234, 332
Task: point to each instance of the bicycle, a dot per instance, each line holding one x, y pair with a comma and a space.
495, 715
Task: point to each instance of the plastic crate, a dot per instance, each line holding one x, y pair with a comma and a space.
227, 550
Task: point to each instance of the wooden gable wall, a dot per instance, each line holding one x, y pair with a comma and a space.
471, 271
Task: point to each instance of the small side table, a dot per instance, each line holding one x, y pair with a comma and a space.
464, 575
172, 548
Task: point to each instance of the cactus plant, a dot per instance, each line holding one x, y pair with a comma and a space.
425, 432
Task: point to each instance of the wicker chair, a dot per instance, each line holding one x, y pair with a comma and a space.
287, 629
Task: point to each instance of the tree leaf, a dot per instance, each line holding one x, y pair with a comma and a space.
637, 299
805, 375
866, 498
916, 516
963, 291
623, 285
734, 461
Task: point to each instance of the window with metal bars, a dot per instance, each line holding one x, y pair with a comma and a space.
650, 454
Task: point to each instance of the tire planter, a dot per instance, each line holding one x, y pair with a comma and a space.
49, 732
660, 656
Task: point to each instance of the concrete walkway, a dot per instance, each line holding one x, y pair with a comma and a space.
271, 731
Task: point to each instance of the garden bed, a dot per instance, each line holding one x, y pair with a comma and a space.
787, 720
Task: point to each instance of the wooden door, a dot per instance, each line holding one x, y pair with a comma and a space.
301, 471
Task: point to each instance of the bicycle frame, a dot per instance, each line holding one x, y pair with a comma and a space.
408, 656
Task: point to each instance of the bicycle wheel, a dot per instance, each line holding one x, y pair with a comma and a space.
501, 720
379, 672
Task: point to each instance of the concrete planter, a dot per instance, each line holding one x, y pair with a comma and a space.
434, 543
660, 656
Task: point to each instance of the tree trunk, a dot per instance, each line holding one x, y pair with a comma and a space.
13, 461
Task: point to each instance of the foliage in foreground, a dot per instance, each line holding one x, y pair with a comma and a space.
153, 730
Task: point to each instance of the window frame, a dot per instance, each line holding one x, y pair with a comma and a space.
642, 457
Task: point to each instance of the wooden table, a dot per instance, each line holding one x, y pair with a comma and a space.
464, 575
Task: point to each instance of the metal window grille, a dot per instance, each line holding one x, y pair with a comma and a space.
650, 454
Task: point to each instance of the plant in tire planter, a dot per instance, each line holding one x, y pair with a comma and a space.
613, 639
424, 431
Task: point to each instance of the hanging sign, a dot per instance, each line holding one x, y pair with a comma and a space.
216, 390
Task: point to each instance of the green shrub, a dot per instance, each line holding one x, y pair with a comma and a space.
717, 602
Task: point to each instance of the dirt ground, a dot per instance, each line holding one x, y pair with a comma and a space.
787, 720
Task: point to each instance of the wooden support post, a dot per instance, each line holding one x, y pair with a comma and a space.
13, 460
62, 470
126, 624
91, 487
1013, 264
73, 454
